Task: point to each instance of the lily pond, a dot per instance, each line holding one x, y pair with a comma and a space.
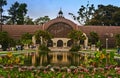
59, 65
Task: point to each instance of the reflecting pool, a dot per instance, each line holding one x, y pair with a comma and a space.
53, 58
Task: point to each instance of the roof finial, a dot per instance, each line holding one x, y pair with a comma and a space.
60, 13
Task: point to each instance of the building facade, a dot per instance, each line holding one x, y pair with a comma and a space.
60, 27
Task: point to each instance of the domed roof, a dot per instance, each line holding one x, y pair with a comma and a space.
60, 13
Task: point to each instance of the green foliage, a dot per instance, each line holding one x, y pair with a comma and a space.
85, 13
2, 3
28, 21
103, 58
17, 13
75, 48
106, 16
43, 48
42, 36
41, 20
5, 40
98, 44
94, 38
117, 37
11, 59
76, 36
26, 38
111, 58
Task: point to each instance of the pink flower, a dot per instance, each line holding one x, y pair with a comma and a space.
118, 72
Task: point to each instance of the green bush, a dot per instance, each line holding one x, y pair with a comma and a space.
43, 48
75, 48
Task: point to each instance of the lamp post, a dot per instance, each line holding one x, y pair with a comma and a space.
106, 43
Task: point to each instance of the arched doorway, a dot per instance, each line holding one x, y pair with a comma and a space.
50, 43
69, 43
59, 43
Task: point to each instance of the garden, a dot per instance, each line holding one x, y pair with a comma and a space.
99, 65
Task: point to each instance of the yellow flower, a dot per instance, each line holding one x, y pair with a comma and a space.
102, 56
9, 54
17, 60
108, 56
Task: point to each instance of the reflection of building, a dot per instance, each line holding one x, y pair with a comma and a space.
58, 58
54, 58
60, 27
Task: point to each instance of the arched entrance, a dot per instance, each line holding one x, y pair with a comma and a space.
69, 43
59, 43
50, 43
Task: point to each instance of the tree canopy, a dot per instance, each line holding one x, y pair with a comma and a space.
85, 13
2, 3
117, 37
26, 38
5, 40
76, 36
41, 20
17, 13
94, 38
106, 16
42, 37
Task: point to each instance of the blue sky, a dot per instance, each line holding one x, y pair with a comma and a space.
39, 8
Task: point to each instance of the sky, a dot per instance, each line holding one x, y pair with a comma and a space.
40, 8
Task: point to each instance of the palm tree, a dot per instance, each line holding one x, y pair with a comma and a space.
2, 3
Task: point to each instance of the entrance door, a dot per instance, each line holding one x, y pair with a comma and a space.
59, 43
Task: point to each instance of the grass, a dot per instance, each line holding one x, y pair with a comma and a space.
17, 52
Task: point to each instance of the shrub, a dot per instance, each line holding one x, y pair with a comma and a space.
75, 48
43, 48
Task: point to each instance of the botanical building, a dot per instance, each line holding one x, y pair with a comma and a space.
60, 27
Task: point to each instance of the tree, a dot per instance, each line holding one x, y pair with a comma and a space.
17, 13
13, 12
28, 21
106, 15
26, 38
2, 3
85, 13
41, 20
22, 11
42, 37
94, 38
76, 36
5, 40
117, 37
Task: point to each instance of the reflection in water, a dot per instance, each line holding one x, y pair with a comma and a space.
53, 58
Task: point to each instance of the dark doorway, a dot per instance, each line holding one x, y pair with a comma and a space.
69, 43
59, 43
50, 43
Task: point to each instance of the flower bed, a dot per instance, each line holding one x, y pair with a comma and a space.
57, 72
99, 65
